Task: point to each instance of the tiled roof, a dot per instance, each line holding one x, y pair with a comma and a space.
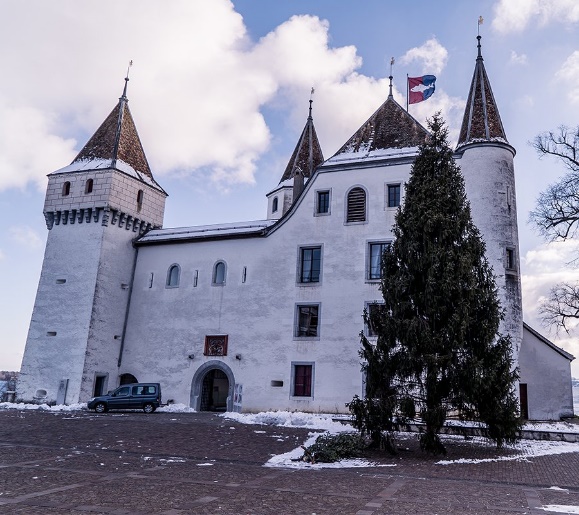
307, 155
389, 127
481, 121
117, 139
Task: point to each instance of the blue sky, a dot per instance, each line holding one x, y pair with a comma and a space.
219, 91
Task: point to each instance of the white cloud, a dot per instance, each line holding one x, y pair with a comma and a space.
25, 236
431, 57
197, 86
545, 266
518, 59
516, 15
23, 128
568, 75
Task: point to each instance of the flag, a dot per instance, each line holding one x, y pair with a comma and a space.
420, 88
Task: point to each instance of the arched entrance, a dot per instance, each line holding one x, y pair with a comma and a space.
212, 387
128, 379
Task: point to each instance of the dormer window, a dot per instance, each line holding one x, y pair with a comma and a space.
66, 189
274, 205
88, 186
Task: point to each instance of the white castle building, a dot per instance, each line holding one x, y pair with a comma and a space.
264, 314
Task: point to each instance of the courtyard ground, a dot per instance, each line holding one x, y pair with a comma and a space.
177, 463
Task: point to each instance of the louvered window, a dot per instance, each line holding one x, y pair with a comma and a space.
356, 205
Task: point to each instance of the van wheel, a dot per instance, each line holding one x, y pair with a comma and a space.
101, 407
148, 408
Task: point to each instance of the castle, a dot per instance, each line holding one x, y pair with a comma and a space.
264, 314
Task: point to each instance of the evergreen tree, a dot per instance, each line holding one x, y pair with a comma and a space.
438, 350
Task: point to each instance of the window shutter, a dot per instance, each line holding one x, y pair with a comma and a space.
356, 205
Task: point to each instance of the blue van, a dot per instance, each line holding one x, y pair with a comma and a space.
145, 396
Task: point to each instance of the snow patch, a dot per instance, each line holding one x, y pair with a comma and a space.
559, 508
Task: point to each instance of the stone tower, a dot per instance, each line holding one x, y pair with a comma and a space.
486, 160
94, 209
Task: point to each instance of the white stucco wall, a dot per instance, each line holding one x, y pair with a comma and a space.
166, 325
78, 318
489, 177
547, 374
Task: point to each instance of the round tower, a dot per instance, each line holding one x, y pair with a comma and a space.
94, 209
486, 159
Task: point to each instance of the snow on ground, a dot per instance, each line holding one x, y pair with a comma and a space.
559, 508
320, 423
323, 422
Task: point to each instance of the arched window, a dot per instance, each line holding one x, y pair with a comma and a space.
66, 189
139, 200
219, 272
173, 276
274, 205
88, 186
356, 210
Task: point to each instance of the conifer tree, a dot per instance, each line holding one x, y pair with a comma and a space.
438, 350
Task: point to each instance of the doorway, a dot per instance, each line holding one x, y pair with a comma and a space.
214, 391
212, 387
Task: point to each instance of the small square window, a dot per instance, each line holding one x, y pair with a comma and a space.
375, 251
307, 321
310, 266
393, 195
323, 202
302, 376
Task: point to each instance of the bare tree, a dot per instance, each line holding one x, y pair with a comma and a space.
557, 217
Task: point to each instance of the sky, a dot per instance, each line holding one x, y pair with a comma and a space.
219, 92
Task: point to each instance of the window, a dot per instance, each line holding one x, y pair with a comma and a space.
510, 264
393, 195
302, 378
219, 272
323, 203
307, 320
274, 205
356, 210
66, 189
373, 308
173, 276
88, 186
375, 251
140, 195
310, 264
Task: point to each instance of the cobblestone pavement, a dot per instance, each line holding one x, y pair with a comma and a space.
132, 463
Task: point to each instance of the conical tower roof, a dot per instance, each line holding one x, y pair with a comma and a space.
307, 155
390, 127
481, 121
116, 144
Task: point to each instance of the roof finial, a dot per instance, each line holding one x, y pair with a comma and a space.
311, 101
127, 79
392, 61
480, 22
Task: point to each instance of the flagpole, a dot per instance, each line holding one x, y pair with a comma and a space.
407, 93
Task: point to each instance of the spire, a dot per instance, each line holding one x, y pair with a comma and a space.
481, 121
117, 141
390, 127
307, 155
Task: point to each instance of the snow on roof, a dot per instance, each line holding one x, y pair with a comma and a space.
364, 155
228, 230
104, 164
